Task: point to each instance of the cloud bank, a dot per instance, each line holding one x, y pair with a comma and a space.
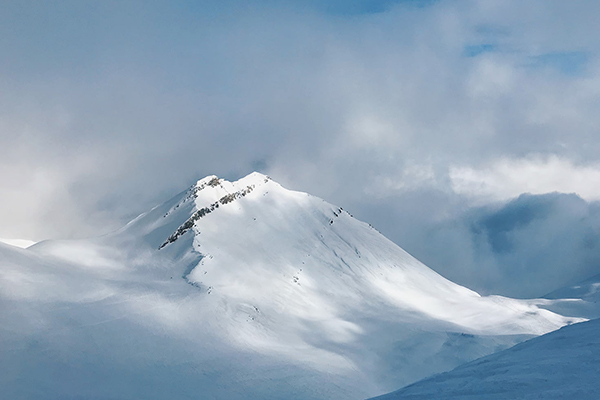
390, 108
525, 248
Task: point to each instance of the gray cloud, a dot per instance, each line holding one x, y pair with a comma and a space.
107, 108
525, 248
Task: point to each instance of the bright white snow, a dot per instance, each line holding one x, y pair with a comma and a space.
237, 290
22, 243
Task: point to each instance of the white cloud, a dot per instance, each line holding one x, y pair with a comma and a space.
119, 110
509, 177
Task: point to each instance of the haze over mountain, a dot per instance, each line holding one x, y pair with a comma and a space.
240, 290
464, 131
408, 113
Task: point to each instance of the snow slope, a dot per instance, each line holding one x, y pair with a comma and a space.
240, 290
564, 364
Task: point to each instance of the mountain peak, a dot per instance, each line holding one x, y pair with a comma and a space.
212, 192
252, 178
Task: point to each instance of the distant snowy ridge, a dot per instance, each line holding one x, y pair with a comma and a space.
256, 292
580, 300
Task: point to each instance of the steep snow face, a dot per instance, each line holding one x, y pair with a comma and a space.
560, 365
241, 290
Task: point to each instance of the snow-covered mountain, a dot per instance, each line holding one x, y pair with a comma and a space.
564, 364
238, 290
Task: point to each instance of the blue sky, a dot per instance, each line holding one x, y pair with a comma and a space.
434, 111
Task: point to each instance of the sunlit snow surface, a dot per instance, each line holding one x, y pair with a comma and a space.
22, 243
560, 365
270, 294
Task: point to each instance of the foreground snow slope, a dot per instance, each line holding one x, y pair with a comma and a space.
237, 290
560, 365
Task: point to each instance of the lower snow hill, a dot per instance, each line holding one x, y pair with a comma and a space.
560, 365
240, 290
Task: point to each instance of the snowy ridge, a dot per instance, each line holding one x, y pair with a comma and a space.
226, 199
270, 294
580, 300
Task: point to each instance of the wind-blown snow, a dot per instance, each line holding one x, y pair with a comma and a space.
560, 365
237, 290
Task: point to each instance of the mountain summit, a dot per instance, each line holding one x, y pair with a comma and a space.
241, 290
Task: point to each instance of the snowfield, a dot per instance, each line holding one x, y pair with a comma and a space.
240, 290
